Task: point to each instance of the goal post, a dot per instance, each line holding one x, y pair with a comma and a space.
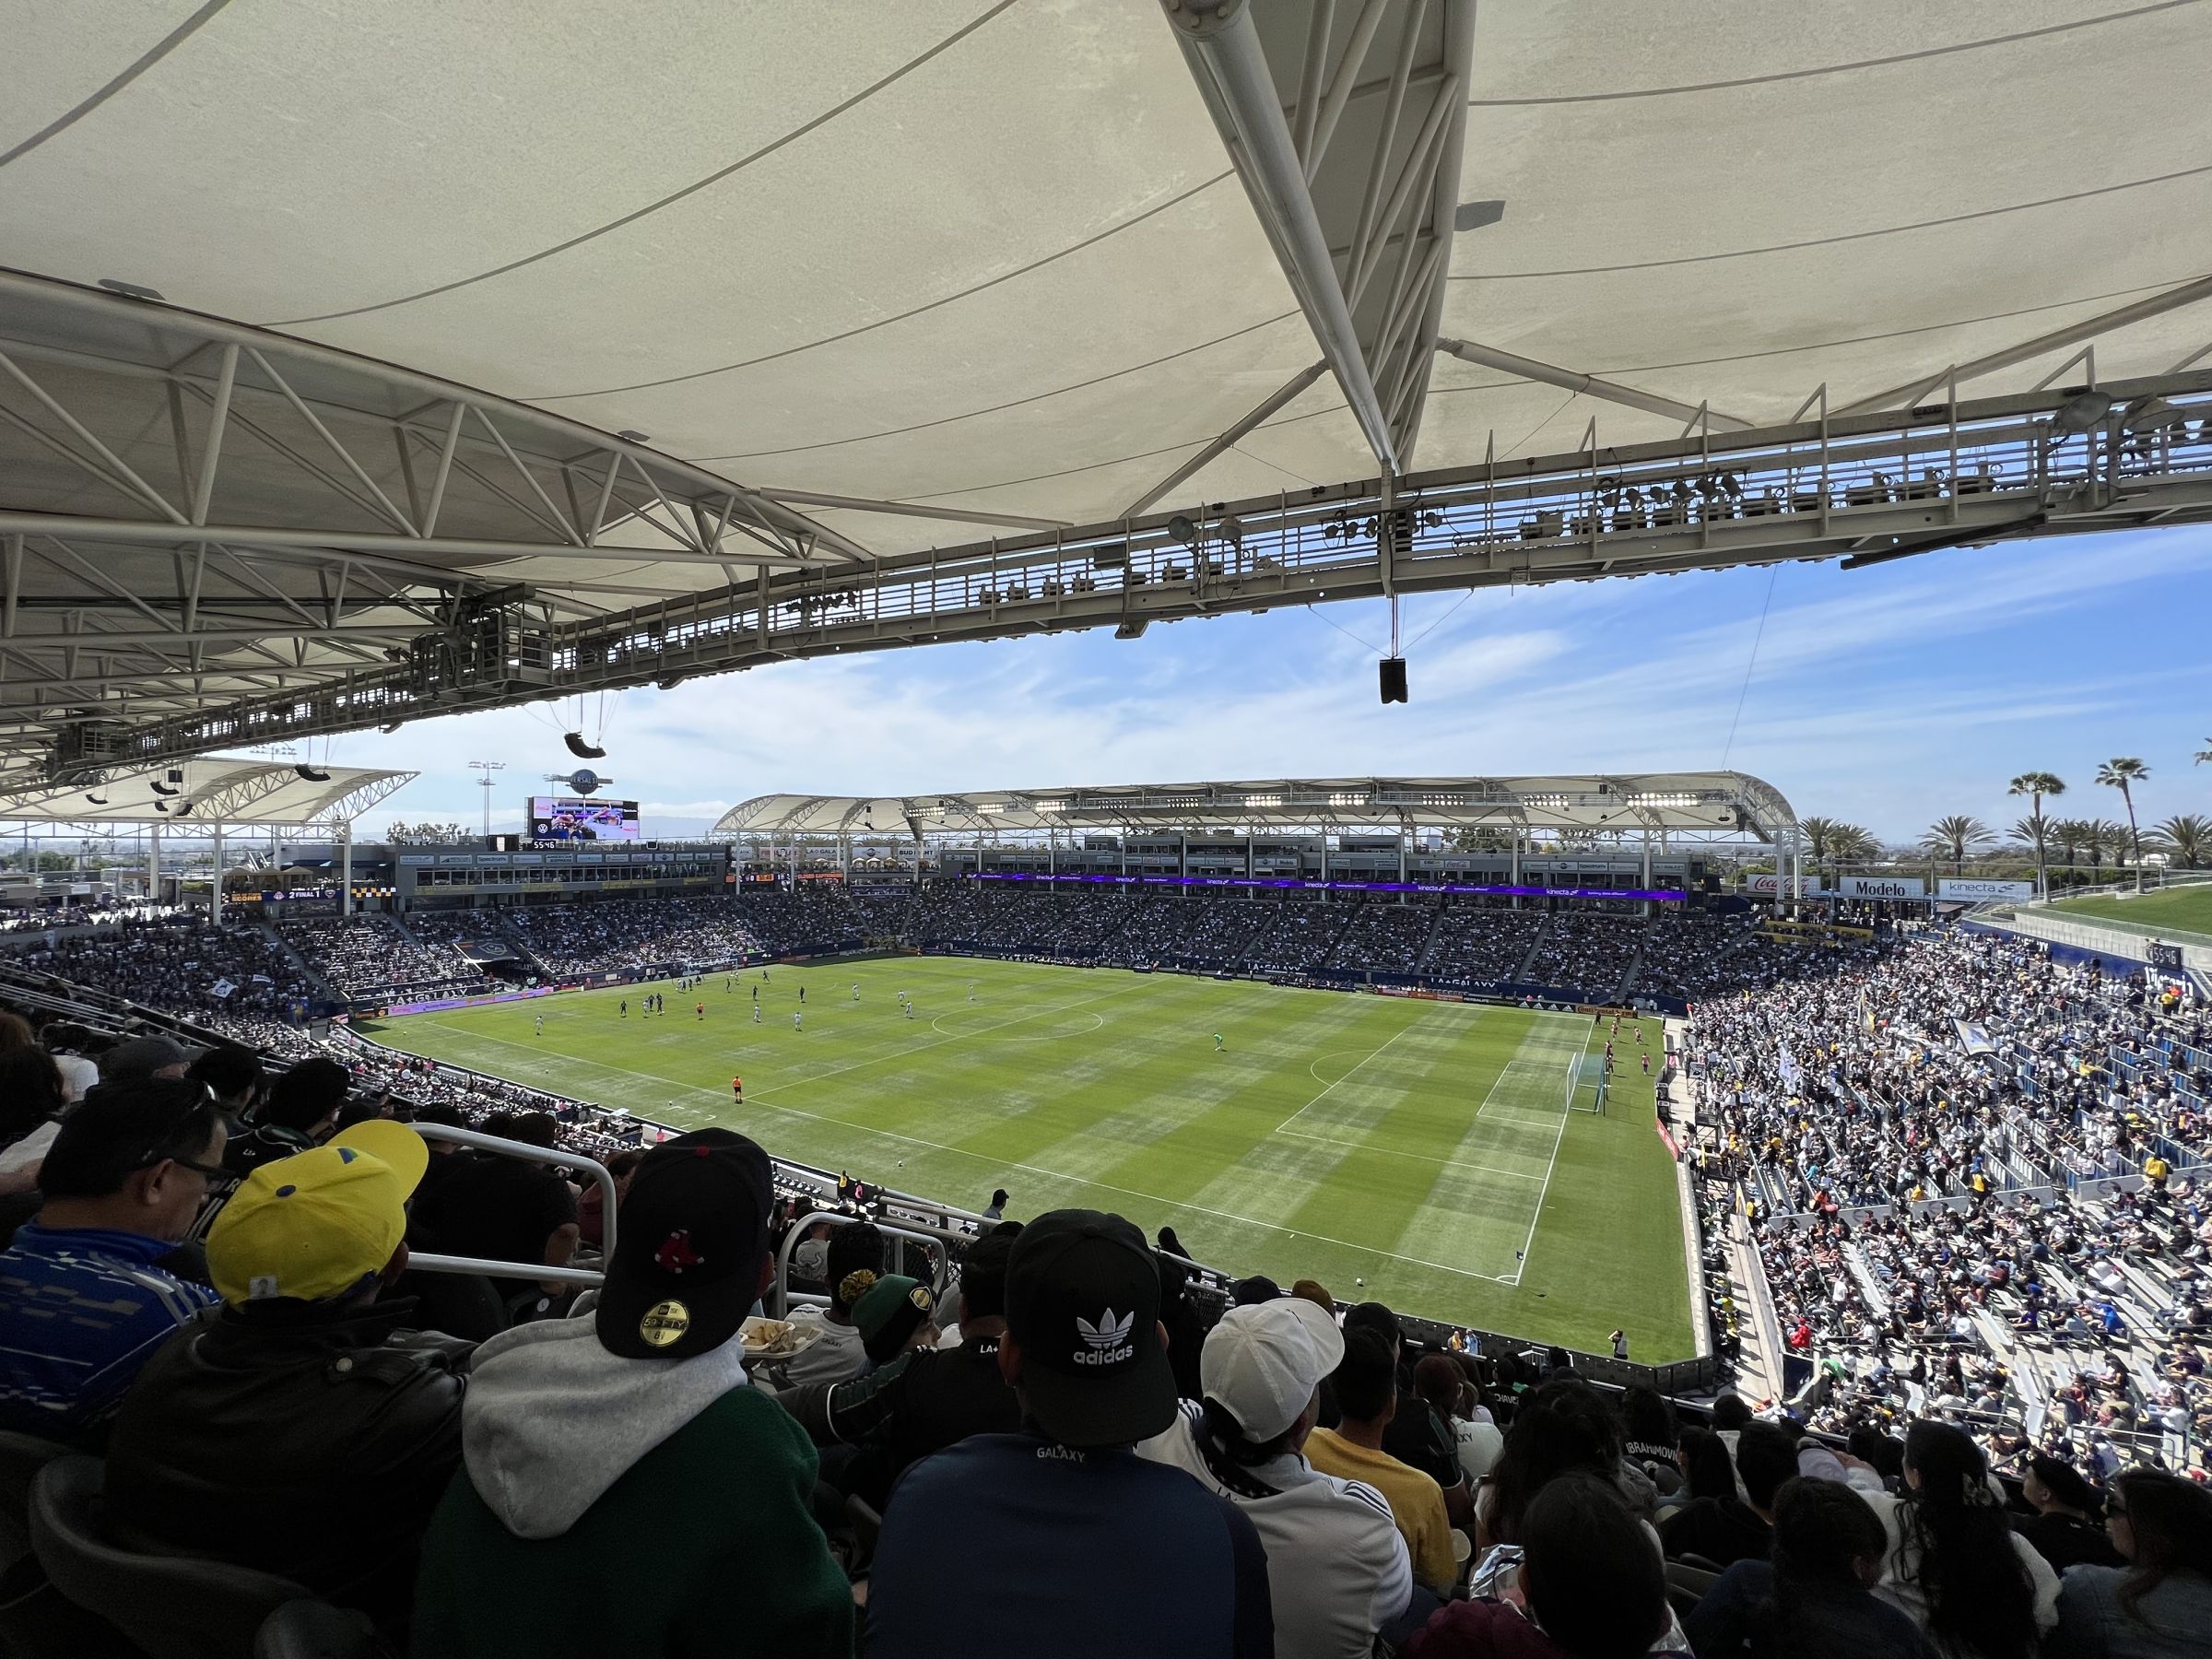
1587, 1084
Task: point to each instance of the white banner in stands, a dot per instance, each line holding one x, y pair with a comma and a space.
1974, 891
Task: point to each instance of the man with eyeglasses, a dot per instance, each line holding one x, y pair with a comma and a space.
84, 1302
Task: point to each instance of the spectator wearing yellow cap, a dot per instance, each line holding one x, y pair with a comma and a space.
301, 1428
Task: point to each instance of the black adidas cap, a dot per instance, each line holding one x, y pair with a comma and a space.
1083, 1306
691, 1237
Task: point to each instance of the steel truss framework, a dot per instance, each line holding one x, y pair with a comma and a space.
1722, 804
114, 611
211, 534
200, 794
196, 511
1346, 126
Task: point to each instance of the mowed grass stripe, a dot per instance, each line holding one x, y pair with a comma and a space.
1140, 1115
1468, 1204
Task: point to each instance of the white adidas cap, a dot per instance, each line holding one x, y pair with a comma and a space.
1263, 1362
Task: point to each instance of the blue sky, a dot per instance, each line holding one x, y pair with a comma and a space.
1887, 697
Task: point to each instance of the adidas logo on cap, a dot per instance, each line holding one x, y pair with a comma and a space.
1108, 1340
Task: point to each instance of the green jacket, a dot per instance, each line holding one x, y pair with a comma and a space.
705, 1547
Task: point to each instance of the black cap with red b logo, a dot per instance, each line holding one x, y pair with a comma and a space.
690, 1239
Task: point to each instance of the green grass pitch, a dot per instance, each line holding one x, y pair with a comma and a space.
2185, 908
1423, 1146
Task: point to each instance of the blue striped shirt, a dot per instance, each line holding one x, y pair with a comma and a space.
81, 1310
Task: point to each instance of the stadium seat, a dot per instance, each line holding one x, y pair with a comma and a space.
466, 1305
171, 1606
316, 1629
21, 1458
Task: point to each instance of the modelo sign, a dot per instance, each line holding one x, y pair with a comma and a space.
1881, 887
1973, 892
1848, 887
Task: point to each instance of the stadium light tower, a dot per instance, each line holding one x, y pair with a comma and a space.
488, 768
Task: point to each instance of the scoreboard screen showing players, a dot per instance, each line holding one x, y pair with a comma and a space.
574, 818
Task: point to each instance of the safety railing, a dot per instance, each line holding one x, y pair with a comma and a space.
432, 1262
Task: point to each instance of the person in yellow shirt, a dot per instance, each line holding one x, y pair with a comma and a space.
2156, 1170
1366, 1387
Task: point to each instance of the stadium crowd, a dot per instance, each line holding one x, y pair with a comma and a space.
615, 934
506, 1467
373, 957
1960, 1160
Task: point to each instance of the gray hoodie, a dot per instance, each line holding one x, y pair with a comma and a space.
552, 1420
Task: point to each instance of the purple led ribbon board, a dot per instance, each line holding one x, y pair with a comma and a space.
1655, 896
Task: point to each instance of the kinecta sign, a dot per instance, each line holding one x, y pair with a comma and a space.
1974, 891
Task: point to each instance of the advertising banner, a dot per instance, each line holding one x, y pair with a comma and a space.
1881, 887
1771, 887
1847, 887
1973, 892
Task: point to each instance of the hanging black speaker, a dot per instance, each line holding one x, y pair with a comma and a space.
580, 749
1394, 679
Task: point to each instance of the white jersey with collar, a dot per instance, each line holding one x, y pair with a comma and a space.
1337, 1569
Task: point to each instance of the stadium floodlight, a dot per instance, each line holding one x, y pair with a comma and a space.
630, 435
1232, 530
394, 726
1132, 630
1184, 531
131, 290
2150, 414
2083, 412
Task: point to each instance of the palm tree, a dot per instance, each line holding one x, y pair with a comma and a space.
1951, 836
2205, 754
1820, 836
2122, 772
1849, 844
2105, 837
2036, 785
2189, 836
2072, 836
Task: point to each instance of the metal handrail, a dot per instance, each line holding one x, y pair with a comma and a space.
430, 1262
779, 1296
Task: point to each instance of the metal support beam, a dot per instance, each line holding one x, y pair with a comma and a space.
809, 498
146, 532
1223, 46
1274, 400
2073, 333
1490, 357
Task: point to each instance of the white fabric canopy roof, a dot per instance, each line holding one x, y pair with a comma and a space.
226, 789
1715, 801
990, 253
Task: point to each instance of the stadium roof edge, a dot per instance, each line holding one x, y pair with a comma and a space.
217, 789
1716, 803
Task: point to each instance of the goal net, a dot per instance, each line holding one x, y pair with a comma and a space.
1586, 1084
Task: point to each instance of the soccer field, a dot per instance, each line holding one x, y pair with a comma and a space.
1424, 1146
2181, 908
